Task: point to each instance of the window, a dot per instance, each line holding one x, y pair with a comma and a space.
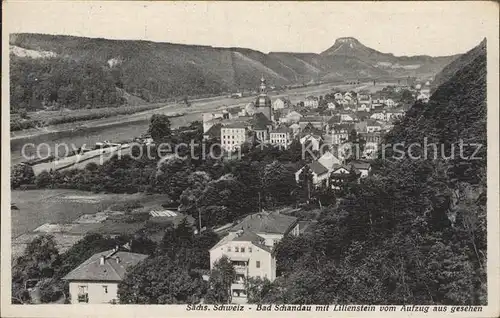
236, 249
257, 264
82, 289
250, 250
105, 289
243, 250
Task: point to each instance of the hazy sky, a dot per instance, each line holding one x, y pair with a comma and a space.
436, 28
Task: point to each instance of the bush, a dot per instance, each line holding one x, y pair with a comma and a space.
43, 179
50, 291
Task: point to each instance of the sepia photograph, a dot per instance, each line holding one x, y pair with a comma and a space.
271, 158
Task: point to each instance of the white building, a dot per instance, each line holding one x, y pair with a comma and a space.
320, 174
372, 126
281, 136
315, 141
233, 136
250, 244
96, 280
311, 102
280, 103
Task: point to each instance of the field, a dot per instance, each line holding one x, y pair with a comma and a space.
37, 207
46, 118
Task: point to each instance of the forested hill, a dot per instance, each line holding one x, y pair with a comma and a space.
458, 63
415, 230
155, 70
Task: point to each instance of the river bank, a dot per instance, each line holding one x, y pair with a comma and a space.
127, 127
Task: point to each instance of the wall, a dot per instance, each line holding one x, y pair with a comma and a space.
267, 269
95, 291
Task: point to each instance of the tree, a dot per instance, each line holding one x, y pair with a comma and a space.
43, 179
257, 289
278, 183
173, 177
305, 184
197, 181
159, 128
221, 278
161, 280
37, 262
89, 245
21, 174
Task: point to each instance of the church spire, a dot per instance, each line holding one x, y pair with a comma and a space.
262, 85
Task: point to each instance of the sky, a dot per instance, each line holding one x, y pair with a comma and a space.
435, 28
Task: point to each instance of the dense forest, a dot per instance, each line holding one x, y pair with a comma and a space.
59, 81
413, 232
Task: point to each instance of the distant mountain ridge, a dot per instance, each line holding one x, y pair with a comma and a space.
166, 69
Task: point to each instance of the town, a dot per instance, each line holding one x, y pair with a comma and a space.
327, 126
278, 157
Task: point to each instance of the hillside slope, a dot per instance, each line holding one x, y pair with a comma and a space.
458, 63
414, 231
164, 70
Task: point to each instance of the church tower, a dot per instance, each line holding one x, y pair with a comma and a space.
263, 102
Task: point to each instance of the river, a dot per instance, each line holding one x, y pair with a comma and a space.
128, 127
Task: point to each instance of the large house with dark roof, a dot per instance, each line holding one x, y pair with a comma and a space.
250, 247
96, 280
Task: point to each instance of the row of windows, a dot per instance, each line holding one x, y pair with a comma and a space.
83, 289
230, 142
275, 135
239, 249
238, 130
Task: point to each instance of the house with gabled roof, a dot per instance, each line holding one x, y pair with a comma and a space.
317, 122
96, 280
320, 173
281, 103
292, 117
249, 246
314, 138
213, 132
373, 125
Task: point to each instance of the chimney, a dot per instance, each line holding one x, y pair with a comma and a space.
117, 260
102, 260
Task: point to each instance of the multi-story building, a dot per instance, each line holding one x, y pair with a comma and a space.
96, 280
340, 133
311, 102
373, 125
317, 122
281, 103
233, 136
249, 246
281, 136
314, 139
